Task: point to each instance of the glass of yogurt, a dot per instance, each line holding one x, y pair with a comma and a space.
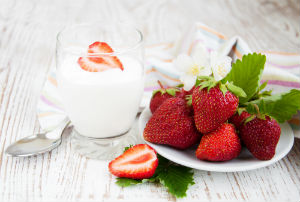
100, 76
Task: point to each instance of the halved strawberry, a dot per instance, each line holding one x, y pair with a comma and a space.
137, 162
91, 66
105, 62
113, 61
97, 59
100, 47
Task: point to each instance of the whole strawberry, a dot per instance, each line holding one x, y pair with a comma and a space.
238, 119
212, 107
172, 124
261, 137
162, 94
221, 145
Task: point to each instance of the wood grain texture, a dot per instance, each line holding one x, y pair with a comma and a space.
27, 45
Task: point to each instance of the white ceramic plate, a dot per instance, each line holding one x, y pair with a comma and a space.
245, 161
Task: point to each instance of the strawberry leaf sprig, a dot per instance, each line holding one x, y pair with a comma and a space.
174, 177
209, 82
281, 107
247, 74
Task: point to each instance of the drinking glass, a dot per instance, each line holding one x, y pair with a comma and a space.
101, 105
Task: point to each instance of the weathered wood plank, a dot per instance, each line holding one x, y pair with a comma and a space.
27, 45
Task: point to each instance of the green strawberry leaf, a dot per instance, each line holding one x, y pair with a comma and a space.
223, 89
246, 74
126, 148
250, 118
281, 107
125, 182
179, 85
262, 86
152, 179
207, 84
236, 90
204, 81
174, 177
172, 91
266, 93
260, 94
240, 110
197, 82
158, 90
189, 99
204, 77
163, 163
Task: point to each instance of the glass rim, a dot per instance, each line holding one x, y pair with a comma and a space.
81, 53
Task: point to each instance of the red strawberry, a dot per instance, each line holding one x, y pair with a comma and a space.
161, 95
212, 107
157, 99
172, 124
137, 162
221, 145
99, 63
261, 137
237, 119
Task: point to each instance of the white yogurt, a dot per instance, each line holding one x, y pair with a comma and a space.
101, 104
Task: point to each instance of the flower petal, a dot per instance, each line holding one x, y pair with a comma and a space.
183, 62
221, 65
188, 81
205, 71
200, 52
201, 60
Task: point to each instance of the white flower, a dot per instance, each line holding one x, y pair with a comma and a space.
192, 66
200, 63
220, 65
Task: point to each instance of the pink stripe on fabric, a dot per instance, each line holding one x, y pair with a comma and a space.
151, 88
285, 66
283, 83
46, 101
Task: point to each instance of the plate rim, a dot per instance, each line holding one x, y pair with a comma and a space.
213, 167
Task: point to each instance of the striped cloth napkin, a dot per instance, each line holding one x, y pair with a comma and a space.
282, 70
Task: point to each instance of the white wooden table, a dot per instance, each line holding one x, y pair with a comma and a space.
27, 44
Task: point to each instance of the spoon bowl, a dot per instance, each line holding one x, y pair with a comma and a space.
38, 143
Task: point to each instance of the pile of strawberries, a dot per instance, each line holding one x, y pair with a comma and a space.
208, 115
219, 117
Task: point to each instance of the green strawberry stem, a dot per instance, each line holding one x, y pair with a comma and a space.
257, 109
259, 115
160, 84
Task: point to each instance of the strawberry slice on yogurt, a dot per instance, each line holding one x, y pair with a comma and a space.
100, 63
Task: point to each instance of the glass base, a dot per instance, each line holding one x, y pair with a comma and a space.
101, 148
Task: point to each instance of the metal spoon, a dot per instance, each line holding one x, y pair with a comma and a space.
39, 143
